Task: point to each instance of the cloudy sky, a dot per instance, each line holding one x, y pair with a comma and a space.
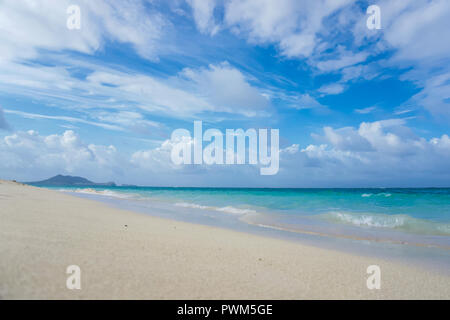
355, 106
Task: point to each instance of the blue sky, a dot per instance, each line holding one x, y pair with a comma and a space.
354, 106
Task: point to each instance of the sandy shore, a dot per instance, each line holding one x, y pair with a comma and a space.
43, 231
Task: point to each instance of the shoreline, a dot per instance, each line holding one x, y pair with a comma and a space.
407, 250
128, 255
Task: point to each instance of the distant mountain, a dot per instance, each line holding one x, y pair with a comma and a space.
61, 180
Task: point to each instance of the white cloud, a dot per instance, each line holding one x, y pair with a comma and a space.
292, 149
333, 88
415, 28
345, 59
28, 26
435, 93
63, 118
366, 110
26, 155
292, 24
382, 153
228, 89
30, 156
157, 159
328, 165
305, 101
411, 30
367, 72
117, 121
299, 28
218, 88
346, 139
134, 121
149, 93
203, 11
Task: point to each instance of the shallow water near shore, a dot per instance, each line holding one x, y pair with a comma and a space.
412, 225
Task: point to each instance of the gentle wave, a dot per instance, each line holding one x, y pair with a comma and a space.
107, 193
227, 209
367, 195
191, 205
234, 210
398, 222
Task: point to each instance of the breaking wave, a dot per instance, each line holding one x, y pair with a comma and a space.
367, 195
234, 210
227, 209
191, 205
400, 222
107, 193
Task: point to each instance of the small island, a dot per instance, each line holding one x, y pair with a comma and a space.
60, 180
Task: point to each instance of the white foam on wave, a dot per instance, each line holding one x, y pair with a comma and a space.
227, 209
107, 193
370, 220
401, 222
234, 210
191, 205
367, 195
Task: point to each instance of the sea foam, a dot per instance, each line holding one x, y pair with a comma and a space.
401, 222
107, 193
227, 209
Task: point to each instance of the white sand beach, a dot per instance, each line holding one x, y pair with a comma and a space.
127, 255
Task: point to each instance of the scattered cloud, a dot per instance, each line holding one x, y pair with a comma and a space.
203, 12
381, 153
43, 27
228, 89
435, 93
27, 155
334, 88
414, 28
63, 118
344, 59
291, 24
413, 31
366, 110
400, 112
217, 88
305, 101
375, 154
